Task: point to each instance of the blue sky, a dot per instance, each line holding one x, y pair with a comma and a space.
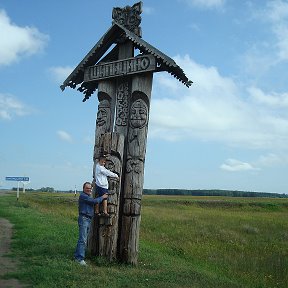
229, 130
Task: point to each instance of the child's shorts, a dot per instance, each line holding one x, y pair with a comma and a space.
101, 191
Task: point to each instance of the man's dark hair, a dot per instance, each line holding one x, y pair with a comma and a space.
86, 184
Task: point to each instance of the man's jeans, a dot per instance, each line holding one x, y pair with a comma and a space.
84, 226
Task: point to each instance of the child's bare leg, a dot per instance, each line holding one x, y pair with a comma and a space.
97, 208
105, 206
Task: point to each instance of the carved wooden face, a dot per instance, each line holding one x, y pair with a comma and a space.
134, 165
103, 113
102, 117
139, 114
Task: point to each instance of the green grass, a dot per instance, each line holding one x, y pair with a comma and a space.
184, 242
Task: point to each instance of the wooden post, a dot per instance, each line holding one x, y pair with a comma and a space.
104, 124
134, 172
17, 190
123, 98
113, 145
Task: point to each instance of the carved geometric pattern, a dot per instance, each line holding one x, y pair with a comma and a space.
122, 95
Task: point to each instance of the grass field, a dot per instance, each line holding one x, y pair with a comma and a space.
184, 242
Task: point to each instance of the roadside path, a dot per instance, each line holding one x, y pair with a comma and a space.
7, 264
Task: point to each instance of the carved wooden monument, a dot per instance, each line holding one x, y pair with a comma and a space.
124, 83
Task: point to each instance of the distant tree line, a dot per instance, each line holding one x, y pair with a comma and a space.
212, 193
43, 189
199, 192
20, 188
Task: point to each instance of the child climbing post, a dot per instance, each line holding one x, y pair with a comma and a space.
101, 180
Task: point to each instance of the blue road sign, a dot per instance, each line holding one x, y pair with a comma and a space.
15, 178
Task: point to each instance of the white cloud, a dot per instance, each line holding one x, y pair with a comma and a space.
264, 161
206, 4
65, 136
11, 107
259, 59
265, 54
275, 13
18, 41
276, 10
234, 165
214, 108
278, 100
281, 31
271, 160
59, 74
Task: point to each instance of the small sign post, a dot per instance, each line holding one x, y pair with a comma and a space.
18, 179
18, 191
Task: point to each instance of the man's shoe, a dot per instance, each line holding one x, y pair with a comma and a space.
82, 263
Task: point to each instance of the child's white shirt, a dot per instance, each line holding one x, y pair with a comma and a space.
101, 174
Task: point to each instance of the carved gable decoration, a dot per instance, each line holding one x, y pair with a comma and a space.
124, 27
129, 17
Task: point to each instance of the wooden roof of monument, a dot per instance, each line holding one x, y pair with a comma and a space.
164, 62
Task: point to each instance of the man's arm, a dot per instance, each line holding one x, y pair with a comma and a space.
91, 200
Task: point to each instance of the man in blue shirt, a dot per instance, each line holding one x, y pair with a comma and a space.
86, 211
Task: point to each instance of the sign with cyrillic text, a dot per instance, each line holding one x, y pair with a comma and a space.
118, 68
15, 178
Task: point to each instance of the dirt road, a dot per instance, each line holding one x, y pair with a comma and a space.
7, 264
